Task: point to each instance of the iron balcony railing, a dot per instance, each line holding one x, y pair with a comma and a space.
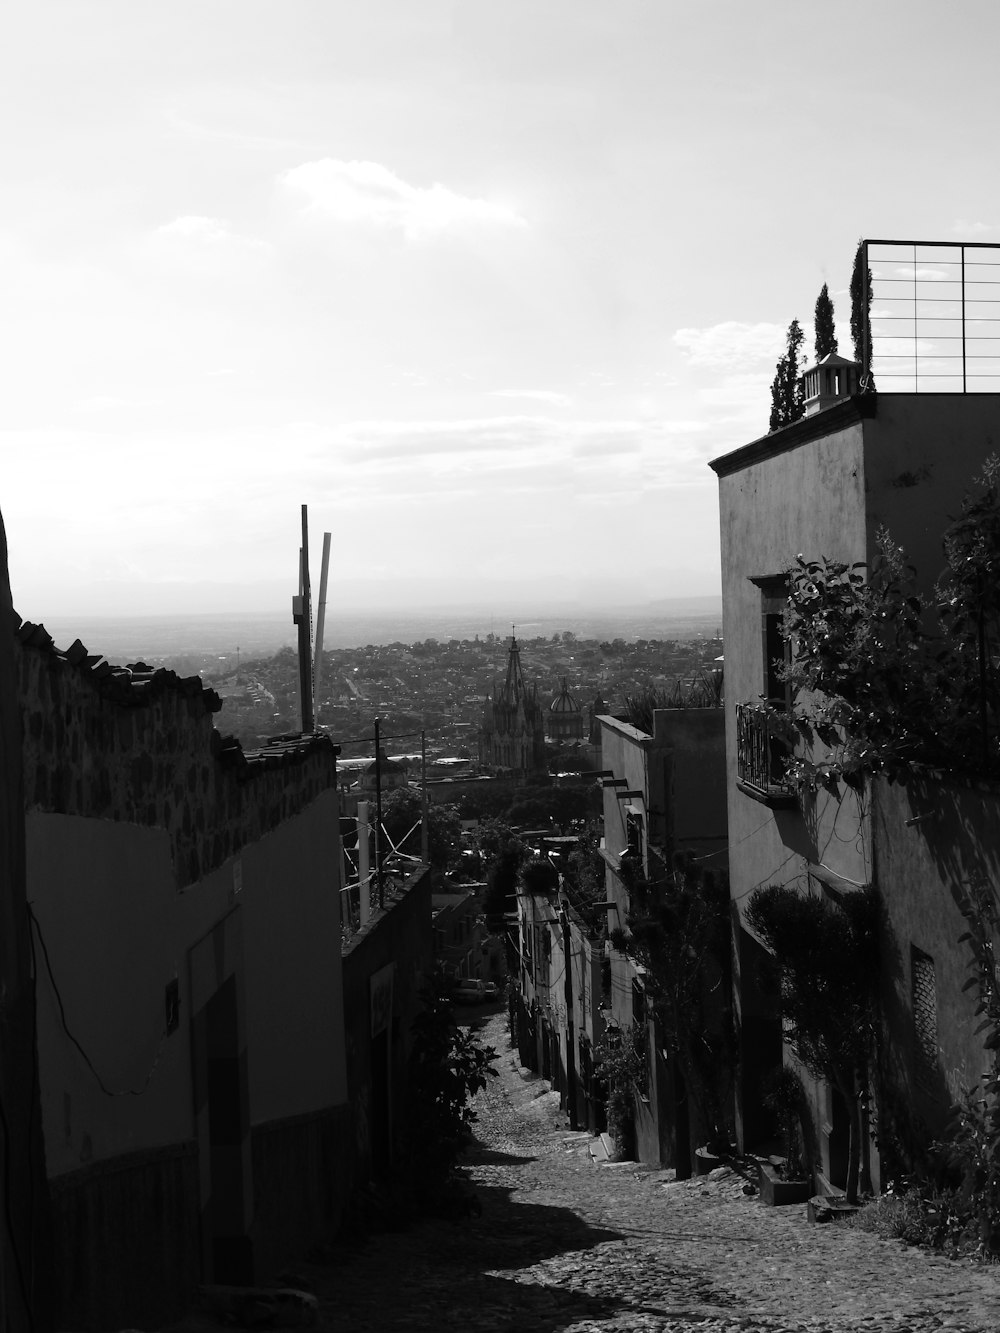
760, 754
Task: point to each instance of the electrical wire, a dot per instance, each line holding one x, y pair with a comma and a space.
108, 1092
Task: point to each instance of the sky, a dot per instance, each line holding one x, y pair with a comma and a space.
483, 284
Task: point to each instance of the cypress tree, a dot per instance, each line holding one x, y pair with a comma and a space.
826, 337
861, 304
787, 392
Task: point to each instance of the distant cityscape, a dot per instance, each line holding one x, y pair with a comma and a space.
440, 687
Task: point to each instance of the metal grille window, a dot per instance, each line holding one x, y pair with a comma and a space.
633, 831
924, 1000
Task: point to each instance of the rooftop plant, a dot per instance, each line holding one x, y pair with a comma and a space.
704, 691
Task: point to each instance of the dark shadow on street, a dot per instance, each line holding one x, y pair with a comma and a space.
477, 1154
444, 1274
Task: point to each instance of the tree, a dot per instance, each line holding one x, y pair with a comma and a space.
861, 308
502, 870
448, 1066
584, 879
826, 960
402, 815
679, 933
787, 395
826, 337
886, 676
537, 807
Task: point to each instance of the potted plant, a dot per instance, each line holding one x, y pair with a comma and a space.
786, 1179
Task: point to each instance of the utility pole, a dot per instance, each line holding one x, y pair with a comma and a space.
321, 621
378, 814
570, 1036
425, 832
364, 866
302, 617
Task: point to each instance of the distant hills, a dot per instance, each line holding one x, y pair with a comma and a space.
126, 638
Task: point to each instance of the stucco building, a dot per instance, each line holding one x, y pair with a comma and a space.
664, 794
824, 487
185, 918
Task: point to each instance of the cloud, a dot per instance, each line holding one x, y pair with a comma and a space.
528, 451
369, 194
972, 228
205, 245
731, 344
206, 231
537, 395
922, 274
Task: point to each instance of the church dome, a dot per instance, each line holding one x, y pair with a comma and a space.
564, 722
564, 702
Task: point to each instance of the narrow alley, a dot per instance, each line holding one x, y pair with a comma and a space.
563, 1245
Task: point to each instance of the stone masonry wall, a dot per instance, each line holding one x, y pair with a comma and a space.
138, 745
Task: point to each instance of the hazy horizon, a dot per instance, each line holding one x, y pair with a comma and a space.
128, 637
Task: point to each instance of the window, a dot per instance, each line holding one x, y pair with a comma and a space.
633, 830
760, 754
776, 650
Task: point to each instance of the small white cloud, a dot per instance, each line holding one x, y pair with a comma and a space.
537, 395
961, 228
368, 193
925, 274
204, 243
209, 231
731, 344
107, 402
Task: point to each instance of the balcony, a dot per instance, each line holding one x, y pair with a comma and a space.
760, 757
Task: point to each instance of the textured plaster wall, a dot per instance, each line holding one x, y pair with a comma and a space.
403, 935
952, 842
295, 1003
810, 499
152, 757
921, 454
117, 933
692, 779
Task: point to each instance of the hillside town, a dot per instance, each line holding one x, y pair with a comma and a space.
392, 946
440, 688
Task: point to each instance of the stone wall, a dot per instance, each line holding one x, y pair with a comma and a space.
138, 745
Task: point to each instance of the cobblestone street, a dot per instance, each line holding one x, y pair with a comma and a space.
565, 1244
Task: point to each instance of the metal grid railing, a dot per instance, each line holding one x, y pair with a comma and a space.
760, 756
934, 321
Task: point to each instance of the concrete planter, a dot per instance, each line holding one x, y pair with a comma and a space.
776, 1191
705, 1161
830, 1208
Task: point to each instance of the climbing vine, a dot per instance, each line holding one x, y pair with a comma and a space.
886, 677
678, 934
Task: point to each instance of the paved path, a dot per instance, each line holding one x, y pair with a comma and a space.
564, 1244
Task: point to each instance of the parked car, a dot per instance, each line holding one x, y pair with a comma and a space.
469, 991
491, 991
